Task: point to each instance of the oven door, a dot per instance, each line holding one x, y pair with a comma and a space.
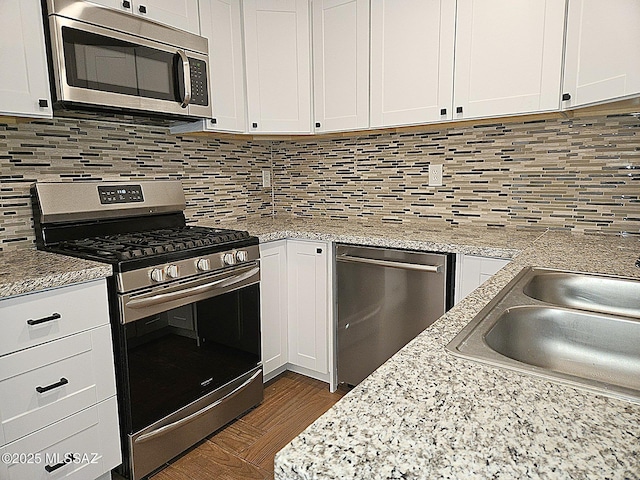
95, 66
187, 349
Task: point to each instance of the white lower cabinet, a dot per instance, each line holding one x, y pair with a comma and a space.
295, 305
273, 307
80, 447
472, 271
58, 411
307, 307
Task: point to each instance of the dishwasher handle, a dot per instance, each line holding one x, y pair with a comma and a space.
390, 263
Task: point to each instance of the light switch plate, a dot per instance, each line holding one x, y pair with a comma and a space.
266, 178
435, 175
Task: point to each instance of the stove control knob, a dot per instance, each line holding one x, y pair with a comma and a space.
242, 255
203, 264
157, 275
172, 271
228, 259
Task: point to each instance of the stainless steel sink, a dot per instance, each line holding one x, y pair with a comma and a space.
569, 327
595, 293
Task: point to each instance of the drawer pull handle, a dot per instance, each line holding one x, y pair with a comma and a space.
54, 316
52, 468
63, 381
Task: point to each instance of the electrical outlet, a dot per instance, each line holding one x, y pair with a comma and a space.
266, 178
435, 175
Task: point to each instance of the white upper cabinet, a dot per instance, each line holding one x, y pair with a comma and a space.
602, 60
277, 56
341, 64
24, 79
182, 14
508, 57
221, 23
412, 46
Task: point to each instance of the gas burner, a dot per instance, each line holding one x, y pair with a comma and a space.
130, 246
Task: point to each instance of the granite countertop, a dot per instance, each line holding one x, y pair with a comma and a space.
427, 414
421, 235
28, 271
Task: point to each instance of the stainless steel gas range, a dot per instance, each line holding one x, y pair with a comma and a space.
184, 303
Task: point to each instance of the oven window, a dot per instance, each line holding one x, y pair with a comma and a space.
177, 356
101, 63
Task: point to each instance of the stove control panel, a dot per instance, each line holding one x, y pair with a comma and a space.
120, 194
181, 269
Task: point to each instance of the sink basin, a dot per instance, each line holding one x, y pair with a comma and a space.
586, 292
582, 344
573, 328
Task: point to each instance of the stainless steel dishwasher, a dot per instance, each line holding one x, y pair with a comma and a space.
385, 297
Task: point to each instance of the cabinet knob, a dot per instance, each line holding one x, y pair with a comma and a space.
443, 111
42, 103
214, 120
318, 250
566, 96
126, 4
254, 125
142, 9
318, 125
458, 109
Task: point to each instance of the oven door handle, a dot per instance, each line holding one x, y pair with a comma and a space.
179, 423
168, 297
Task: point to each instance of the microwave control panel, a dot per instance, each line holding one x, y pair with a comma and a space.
199, 92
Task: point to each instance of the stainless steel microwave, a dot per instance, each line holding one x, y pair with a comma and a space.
104, 59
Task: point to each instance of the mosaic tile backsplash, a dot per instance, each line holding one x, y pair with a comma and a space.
222, 179
578, 175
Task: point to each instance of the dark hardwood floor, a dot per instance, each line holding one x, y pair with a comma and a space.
245, 448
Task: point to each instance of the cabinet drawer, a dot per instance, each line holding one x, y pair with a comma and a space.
71, 374
74, 308
90, 435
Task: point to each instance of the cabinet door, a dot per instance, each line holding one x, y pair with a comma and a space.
473, 271
602, 59
273, 305
91, 437
341, 64
24, 78
76, 371
182, 14
508, 57
30, 320
221, 23
411, 61
307, 301
277, 53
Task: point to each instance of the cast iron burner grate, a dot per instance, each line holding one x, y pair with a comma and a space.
129, 246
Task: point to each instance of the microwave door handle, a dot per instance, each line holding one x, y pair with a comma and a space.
186, 74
